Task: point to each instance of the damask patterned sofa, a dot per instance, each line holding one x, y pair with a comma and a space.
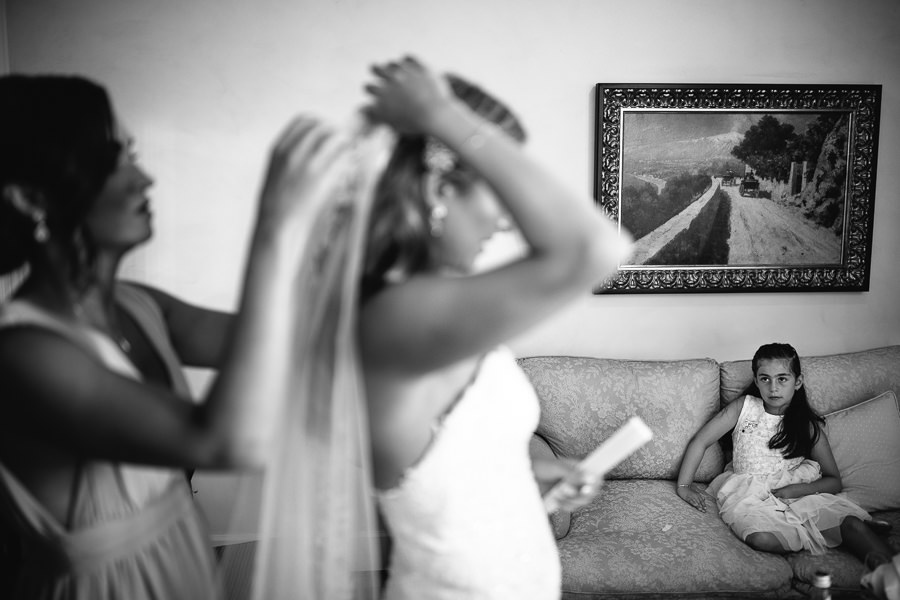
638, 539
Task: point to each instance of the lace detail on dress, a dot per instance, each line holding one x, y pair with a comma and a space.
752, 433
436, 429
456, 534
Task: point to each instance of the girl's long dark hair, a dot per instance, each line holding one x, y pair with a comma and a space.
800, 429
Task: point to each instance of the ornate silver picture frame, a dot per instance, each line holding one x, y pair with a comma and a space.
739, 188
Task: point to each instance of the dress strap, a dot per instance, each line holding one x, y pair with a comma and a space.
146, 312
461, 393
437, 427
27, 511
21, 313
74, 488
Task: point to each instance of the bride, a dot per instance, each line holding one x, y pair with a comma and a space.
407, 370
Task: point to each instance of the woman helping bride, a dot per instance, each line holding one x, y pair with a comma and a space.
407, 397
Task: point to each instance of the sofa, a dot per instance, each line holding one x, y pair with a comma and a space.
638, 539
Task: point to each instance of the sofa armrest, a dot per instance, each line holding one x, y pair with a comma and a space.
560, 520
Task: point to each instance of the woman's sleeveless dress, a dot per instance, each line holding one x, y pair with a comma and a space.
743, 490
467, 520
135, 532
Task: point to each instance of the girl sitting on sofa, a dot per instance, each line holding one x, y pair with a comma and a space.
781, 491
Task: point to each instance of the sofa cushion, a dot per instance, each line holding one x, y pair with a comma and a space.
832, 381
638, 537
865, 439
584, 400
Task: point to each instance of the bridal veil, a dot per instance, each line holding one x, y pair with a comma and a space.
318, 538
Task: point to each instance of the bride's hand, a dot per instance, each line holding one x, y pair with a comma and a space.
408, 96
577, 488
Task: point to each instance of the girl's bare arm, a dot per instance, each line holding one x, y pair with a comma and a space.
723, 422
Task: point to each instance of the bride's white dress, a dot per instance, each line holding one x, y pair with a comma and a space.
467, 521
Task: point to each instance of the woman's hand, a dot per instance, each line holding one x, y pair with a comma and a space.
305, 166
577, 488
407, 95
696, 498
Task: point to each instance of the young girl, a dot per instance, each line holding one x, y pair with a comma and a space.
781, 491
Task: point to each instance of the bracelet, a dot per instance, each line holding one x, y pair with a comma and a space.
684, 485
478, 137
441, 159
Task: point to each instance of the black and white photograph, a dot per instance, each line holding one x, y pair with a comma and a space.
430, 300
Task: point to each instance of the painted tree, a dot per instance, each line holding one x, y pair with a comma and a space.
765, 148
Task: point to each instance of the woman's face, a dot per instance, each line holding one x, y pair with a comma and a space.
473, 216
120, 217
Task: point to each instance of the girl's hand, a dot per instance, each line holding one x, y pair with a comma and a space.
408, 96
305, 165
787, 492
577, 487
694, 497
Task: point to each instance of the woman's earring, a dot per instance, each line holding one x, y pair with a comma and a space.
15, 195
436, 220
41, 231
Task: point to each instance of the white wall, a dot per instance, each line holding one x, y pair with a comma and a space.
206, 84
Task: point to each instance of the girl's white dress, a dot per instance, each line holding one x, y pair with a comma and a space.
467, 520
743, 490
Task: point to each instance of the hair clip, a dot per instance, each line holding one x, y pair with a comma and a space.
438, 158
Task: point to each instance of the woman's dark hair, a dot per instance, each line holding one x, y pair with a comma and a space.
801, 426
58, 142
398, 232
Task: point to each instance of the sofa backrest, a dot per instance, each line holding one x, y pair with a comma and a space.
833, 381
584, 400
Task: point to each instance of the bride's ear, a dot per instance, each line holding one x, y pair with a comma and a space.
437, 190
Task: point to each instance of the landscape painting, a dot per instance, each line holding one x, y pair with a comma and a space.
739, 188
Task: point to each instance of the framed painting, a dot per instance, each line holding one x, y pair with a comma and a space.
739, 188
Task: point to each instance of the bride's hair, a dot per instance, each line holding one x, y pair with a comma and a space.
398, 232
